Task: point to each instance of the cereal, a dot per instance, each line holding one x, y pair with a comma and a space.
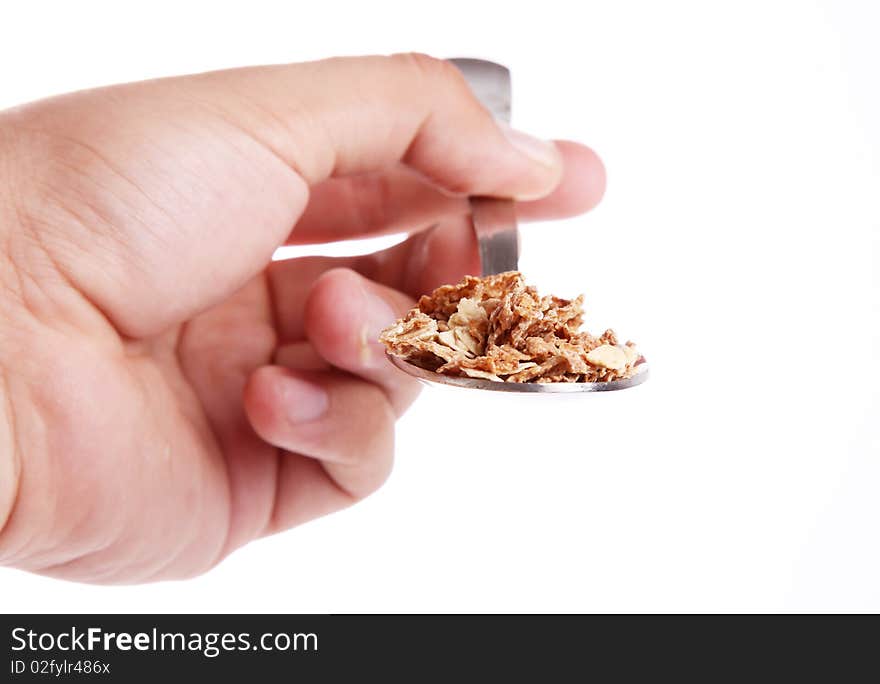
498, 328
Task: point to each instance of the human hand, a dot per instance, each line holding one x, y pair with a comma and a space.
168, 392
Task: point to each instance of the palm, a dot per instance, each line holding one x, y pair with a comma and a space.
177, 477
235, 471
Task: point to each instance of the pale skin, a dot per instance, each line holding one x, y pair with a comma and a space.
167, 393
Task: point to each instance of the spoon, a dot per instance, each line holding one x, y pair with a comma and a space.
494, 222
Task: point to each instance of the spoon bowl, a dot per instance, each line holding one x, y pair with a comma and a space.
495, 227
430, 377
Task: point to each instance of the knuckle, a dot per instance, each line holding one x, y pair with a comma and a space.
455, 177
440, 72
456, 182
383, 416
376, 443
370, 198
419, 61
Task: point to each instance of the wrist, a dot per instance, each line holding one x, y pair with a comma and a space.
10, 458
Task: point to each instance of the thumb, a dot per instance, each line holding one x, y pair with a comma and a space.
158, 199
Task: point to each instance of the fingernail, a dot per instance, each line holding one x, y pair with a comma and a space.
303, 401
541, 151
377, 316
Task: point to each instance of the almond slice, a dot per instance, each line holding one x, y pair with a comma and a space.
607, 356
632, 354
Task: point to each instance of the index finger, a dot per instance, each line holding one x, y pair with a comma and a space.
269, 134
352, 115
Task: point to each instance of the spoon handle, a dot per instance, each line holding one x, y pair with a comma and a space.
495, 227
494, 219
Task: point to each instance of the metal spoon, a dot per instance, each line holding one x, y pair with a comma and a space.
494, 222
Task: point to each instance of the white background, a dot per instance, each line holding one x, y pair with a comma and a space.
738, 243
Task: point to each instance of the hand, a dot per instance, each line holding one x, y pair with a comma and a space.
168, 393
